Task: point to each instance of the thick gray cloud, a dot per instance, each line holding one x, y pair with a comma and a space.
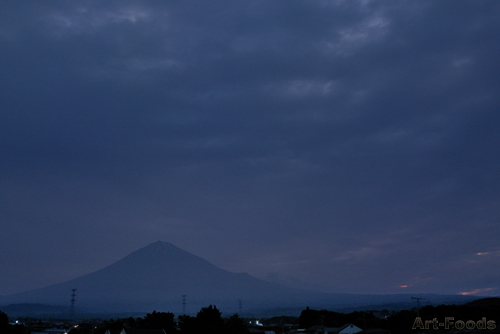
336, 145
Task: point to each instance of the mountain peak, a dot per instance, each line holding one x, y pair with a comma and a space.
162, 246
161, 249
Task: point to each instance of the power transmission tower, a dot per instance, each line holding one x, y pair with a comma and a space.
72, 308
184, 304
239, 306
418, 304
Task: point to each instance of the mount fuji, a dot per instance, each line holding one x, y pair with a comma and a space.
160, 275
157, 276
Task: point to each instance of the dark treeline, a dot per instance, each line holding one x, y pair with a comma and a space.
208, 320
309, 318
480, 312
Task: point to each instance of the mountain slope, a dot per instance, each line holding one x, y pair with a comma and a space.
157, 276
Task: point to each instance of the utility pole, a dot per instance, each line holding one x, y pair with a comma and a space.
418, 304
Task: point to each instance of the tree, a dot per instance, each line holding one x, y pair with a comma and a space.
310, 318
209, 320
188, 324
4, 320
235, 325
4, 323
158, 320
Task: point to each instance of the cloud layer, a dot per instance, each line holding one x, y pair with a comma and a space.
336, 145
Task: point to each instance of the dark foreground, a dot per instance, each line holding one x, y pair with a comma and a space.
480, 316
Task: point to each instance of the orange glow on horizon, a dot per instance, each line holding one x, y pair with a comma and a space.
475, 291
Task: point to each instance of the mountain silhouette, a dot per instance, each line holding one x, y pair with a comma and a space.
157, 277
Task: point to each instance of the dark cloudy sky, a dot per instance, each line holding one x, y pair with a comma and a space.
342, 146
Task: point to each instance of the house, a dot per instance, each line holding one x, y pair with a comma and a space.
375, 331
346, 329
113, 331
142, 331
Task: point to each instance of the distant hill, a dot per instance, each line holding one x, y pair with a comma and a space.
485, 302
157, 276
33, 310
